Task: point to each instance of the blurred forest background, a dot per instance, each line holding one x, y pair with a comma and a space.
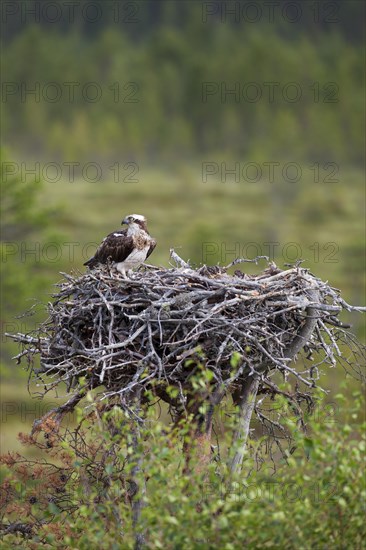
129, 107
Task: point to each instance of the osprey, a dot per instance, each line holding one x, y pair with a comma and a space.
127, 248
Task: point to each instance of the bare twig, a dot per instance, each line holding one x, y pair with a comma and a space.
163, 325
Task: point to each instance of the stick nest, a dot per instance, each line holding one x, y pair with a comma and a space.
164, 324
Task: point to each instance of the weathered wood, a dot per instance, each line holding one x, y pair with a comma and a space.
166, 327
245, 397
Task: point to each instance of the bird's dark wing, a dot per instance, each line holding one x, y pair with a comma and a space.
116, 247
152, 247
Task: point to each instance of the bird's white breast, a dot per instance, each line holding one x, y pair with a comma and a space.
136, 258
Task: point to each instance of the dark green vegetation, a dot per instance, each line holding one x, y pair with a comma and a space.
167, 96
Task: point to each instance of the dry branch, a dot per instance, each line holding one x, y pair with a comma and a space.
162, 326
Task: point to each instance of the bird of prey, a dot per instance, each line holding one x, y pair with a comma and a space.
127, 248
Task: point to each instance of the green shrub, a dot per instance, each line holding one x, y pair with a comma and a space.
87, 491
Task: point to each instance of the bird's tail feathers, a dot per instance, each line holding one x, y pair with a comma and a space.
91, 263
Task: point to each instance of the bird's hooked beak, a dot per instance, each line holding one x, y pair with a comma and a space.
125, 221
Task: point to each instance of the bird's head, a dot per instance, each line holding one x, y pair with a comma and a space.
135, 219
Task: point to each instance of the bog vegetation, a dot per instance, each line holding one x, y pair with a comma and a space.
165, 131
80, 494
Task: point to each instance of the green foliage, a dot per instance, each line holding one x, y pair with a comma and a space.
25, 229
152, 101
314, 499
20, 215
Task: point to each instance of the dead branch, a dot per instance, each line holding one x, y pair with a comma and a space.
163, 326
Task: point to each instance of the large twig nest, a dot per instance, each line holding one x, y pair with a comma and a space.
162, 323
